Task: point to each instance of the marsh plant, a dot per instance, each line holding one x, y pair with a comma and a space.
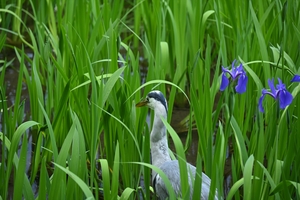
85, 64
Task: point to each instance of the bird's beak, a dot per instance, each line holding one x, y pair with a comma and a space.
141, 103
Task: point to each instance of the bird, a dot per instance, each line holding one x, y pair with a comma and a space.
160, 152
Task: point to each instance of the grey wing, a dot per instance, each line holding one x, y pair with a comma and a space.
171, 169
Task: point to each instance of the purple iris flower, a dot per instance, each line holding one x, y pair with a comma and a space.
279, 93
296, 78
235, 73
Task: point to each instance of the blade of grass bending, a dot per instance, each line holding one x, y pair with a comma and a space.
27, 189
284, 184
14, 144
276, 54
198, 178
28, 193
261, 40
61, 106
165, 57
206, 16
115, 173
277, 171
196, 108
185, 188
158, 82
5, 144
36, 157
20, 171
20, 20
247, 174
162, 175
77, 160
296, 31
124, 125
51, 132
236, 187
110, 84
239, 141
136, 35
126, 193
220, 32
58, 186
269, 178
80, 182
44, 181
218, 163
98, 78
19, 85
80, 135
105, 178
254, 76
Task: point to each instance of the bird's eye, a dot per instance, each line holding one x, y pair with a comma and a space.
147, 99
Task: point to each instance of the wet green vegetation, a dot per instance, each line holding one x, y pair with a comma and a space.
81, 64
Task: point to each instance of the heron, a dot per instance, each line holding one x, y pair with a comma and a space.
160, 152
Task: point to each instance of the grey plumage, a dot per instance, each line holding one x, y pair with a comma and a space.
160, 155
171, 169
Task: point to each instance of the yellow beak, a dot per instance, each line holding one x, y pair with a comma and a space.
141, 103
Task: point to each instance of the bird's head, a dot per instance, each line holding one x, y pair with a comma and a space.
155, 100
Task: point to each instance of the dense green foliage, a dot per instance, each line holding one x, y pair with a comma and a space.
81, 63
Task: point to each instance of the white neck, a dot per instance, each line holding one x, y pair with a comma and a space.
158, 140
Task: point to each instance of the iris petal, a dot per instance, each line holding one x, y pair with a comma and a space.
234, 72
260, 106
224, 70
264, 92
240, 70
280, 86
296, 78
269, 93
285, 98
242, 84
272, 87
224, 82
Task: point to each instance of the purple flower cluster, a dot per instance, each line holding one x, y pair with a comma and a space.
235, 73
278, 92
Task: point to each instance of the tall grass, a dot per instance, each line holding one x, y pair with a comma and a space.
87, 138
